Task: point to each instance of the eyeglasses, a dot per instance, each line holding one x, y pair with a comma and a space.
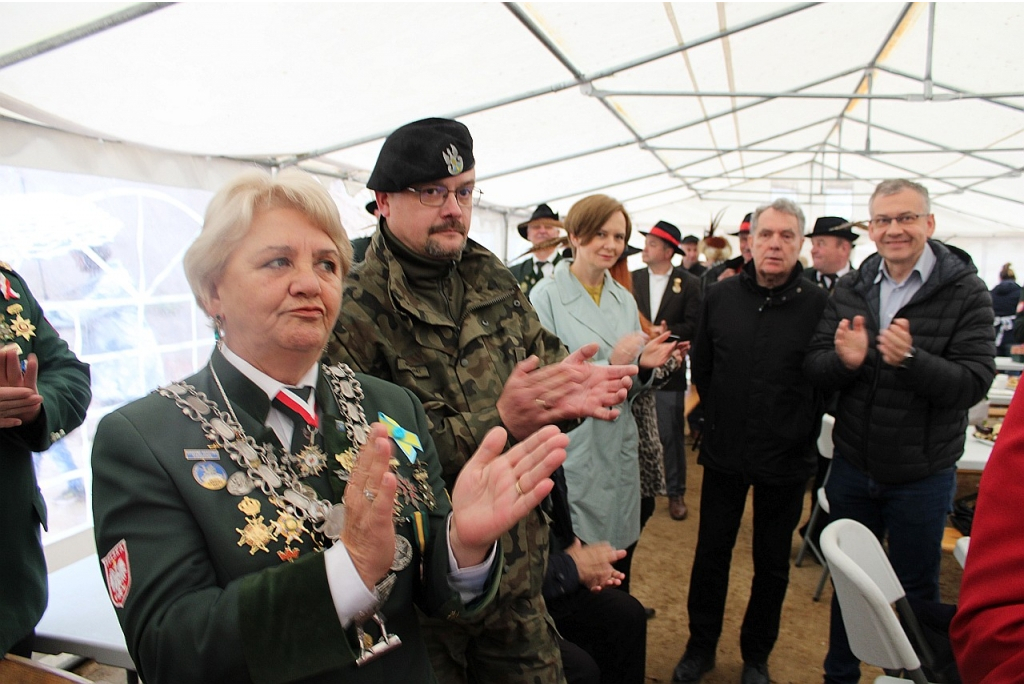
902, 220
436, 196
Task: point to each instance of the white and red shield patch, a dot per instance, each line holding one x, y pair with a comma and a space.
118, 572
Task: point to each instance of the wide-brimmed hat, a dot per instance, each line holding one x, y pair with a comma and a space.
420, 152
744, 225
834, 226
542, 215
667, 232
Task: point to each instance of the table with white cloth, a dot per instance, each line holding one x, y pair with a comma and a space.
1004, 364
976, 452
80, 619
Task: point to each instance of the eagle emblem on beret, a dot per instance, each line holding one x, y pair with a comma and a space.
453, 159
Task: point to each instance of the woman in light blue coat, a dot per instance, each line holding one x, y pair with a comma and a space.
582, 303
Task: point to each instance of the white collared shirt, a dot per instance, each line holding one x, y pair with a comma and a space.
276, 420
658, 285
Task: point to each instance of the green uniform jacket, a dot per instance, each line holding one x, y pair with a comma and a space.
526, 272
63, 382
457, 370
202, 608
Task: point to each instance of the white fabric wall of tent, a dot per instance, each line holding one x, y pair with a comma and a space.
680, 110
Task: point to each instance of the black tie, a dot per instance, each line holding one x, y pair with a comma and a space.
540, 269
829, 281
302, 420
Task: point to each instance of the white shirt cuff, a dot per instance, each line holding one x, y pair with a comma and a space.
349, 592
468, 582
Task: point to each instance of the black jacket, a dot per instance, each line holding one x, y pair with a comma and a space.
760, 413
901, 424
1005, 297
679, 308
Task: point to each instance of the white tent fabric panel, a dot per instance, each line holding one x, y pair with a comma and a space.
679, 109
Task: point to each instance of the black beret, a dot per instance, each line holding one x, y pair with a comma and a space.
423, 151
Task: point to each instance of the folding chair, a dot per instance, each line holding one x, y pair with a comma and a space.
867, 587
825, 448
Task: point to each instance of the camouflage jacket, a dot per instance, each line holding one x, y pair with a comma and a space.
457, 369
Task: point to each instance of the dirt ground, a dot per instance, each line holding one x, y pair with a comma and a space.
661, 578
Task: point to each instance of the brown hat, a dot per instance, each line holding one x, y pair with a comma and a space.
423, 151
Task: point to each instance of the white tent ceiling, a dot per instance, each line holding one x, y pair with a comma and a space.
678, 109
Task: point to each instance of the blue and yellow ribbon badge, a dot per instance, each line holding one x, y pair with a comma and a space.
407, 441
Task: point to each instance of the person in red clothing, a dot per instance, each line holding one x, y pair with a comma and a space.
988, 630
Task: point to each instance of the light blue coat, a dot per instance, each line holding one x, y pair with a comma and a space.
602, 469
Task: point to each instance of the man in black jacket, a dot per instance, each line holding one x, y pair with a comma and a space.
669, 296
907, 341
759, 429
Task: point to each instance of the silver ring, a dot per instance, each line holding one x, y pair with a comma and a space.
369, 495
519, 489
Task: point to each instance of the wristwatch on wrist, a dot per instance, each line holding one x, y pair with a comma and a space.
908, 356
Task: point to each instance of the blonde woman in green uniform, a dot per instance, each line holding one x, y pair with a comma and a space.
252, 530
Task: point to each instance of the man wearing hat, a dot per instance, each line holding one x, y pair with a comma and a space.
831, 243
542, 227
691, 258
731, 267
437, 313
672, 295
359, 245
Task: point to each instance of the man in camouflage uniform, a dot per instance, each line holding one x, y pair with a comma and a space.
439, 314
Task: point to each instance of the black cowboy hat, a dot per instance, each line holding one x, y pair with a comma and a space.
834, 226
542, 213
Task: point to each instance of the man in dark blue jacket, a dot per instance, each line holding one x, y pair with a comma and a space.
760, 423
907, 341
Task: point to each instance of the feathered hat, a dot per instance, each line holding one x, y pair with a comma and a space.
715, 248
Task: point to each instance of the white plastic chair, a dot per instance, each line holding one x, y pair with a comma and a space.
826, 448
866, 587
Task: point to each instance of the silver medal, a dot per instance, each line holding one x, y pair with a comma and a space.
247, 453
403, 554
269, 477
198, 405
240, 484
222, 428
334, 522
296, 499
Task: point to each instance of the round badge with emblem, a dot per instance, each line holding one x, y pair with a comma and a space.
210, 475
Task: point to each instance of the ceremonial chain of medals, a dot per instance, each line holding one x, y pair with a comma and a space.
298, 503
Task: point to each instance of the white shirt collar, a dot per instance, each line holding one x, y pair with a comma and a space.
267, 384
